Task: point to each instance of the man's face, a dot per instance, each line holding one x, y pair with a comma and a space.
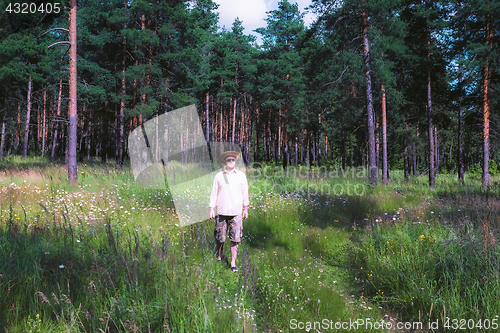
230, 162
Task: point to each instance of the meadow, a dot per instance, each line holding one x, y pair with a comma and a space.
321, 248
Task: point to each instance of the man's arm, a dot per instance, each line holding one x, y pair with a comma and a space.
213, 199
246, 201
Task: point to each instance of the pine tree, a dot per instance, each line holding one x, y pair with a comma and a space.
281, 83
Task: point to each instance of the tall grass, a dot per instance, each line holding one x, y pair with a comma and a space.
108, 256
435, 258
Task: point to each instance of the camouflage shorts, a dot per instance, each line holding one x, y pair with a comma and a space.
228, 224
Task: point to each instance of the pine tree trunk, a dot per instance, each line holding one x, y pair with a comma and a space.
249, 132
432, 180
319, 138
384, 138
415, 166
207, 125
460, 161
313, 148
372, 167
72, 135
431, 133
234, 120
27, 126
436, 149
44, 120
54, 140
227, 123
2, 139
38, 135
308, 146
89, 137
326, 146
18, 128
257, 133
296, 151
280, 124
486, 110
121, 117
416, 158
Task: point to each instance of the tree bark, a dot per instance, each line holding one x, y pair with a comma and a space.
2, 139
460, 159
257, 133
372, 165
89, 136
72, 136
18, 128
432, 180
44, 120
486, 109
384, 137
406, 160
121, 117
234, 120
415, 164
280, 124
27, 126
54, 140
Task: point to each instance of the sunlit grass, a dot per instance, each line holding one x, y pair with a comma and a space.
109, 255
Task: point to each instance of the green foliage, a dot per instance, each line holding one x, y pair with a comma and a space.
476, 169
411, 266
446, 168
80, 256
493, 167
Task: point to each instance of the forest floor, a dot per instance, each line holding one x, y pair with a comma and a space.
322, 251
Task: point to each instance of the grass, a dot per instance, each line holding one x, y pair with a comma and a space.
109, 256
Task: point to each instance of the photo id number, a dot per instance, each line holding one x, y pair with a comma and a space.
33, 8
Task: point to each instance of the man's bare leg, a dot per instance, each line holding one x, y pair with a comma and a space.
220, 246
234, 253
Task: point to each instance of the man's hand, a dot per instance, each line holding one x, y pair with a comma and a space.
245, 212
212, 213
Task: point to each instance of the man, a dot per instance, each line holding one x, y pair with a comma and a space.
230, 198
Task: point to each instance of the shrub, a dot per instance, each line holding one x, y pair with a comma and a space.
493, 167
477, 170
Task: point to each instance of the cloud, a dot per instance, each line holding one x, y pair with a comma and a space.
309, 17
252, 13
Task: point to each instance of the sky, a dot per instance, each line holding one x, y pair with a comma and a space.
253, 13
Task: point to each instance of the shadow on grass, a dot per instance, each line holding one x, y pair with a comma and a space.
340, 212
78, 277
259, 235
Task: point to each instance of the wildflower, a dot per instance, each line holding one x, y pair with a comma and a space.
422, 237
61, 266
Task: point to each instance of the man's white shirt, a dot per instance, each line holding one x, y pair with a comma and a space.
229, 197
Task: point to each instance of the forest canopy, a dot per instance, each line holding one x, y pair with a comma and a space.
383, 84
